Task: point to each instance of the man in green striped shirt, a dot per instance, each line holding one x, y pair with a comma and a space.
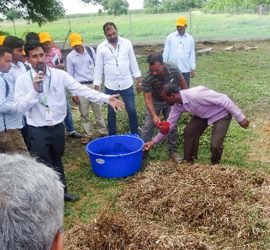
159, 74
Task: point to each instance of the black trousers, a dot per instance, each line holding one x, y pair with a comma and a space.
47, 145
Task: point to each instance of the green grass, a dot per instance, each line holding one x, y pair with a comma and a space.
153, 28
244, 76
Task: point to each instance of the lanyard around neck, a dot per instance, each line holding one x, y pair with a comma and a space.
117, 54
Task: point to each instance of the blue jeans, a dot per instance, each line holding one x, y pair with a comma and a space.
68, 119
128, 97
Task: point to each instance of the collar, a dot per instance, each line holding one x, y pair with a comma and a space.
79, 54
33, 72
120, 40
184, 99
177, 34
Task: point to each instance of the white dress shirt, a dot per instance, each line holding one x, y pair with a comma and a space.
118, 65
81, 66
180, 50
49, 108
15, 71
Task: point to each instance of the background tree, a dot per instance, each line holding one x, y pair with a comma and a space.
117, 7
34, 10
151, 3
12, 15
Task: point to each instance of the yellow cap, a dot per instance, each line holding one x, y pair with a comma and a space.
44, 37
75, 39
2, 39
181, 21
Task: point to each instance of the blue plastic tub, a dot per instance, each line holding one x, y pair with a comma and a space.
115, 156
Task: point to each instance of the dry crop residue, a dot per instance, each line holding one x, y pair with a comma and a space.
183, 207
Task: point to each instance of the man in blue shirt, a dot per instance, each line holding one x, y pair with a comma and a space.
179, 49
11, 139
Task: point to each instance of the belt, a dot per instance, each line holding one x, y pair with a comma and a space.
47, 127
87, 82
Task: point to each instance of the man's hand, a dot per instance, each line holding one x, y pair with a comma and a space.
244, 123
116, 104
38, 78
138, 87
75, 99
192, 73
148, 145
156, 120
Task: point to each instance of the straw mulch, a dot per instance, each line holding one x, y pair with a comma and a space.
183, 207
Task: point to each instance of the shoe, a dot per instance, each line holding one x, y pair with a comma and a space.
71, 197
174, 157
75, 135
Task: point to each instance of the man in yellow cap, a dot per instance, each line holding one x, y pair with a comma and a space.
180, 49
2, 39
80, 64
54, 58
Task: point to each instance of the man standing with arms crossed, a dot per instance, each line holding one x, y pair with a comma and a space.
115, 59
179, 49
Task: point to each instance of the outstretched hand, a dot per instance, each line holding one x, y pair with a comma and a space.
116, 104
244, 123
148, 145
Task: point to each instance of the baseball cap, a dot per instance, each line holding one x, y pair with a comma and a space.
181, 21
44, 37
75, 39
2, 39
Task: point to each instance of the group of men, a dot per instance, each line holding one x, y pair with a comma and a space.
114, 63
33, 97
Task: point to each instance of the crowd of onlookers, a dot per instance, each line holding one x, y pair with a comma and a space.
35, 112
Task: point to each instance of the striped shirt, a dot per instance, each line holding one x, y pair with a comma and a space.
153, 84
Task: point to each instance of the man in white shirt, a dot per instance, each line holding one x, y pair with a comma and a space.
11, 140
179, 49
41, 93
80, 64
17, 68
115, 59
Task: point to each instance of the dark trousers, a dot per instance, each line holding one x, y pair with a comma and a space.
187, 78
194, 130
128, 97
47, 145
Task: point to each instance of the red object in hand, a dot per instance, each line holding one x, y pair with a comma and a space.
164, 127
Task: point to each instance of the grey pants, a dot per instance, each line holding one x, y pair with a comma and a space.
149, 126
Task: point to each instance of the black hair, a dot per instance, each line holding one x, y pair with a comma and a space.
31, 45
31, 36
4, 50
169, 89
155, 57
13, 42
106, 25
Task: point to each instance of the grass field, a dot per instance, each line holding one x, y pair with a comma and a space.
243, 75
153, 28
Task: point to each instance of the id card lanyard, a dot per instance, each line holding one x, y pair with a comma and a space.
115, 55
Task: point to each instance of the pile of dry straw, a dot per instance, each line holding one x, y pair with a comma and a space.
171, 206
